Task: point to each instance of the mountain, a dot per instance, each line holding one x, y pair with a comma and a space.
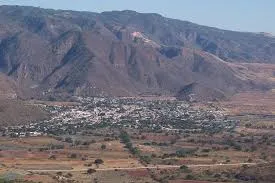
53, 53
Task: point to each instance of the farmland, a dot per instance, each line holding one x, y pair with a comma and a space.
140, 140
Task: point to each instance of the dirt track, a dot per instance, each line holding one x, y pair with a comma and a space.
144, 167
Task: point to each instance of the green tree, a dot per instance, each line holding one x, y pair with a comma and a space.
103, 146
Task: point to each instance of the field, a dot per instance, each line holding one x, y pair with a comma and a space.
188, 148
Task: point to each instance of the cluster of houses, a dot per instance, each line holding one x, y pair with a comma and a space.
154, 115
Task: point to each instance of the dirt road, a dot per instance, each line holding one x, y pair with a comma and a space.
144, 167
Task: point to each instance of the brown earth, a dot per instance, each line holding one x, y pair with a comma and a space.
255, 103
16, 112
262, 173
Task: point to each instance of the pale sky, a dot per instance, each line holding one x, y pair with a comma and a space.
240, 15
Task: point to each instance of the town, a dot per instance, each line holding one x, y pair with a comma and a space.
140, 114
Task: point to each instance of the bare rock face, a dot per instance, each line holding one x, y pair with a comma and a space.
63, 53
8, 88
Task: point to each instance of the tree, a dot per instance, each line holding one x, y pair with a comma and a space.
73, 155
77, 142
146, 159
99, 161
189, 177
103, 146
185, 169
68, 140
90, 171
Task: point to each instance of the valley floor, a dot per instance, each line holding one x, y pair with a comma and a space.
100, 140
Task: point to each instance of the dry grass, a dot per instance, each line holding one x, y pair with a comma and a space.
16, 112
251, 103
25, 154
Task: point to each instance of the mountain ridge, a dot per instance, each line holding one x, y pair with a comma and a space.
62, 53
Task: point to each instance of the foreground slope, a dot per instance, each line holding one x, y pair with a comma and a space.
50, 53
15, 112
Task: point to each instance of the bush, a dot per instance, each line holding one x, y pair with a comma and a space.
77, 142
205, 150
91, 171
56, 146
245, 166
85, 143
103, 146
52, 157
184, 152
189, 177
68, 140
125, 138
73, 156
69, 175
237, 147
146, 159
99, 161
185, 169
88, 164
58, 138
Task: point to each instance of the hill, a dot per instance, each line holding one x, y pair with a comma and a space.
56, 54
16, 112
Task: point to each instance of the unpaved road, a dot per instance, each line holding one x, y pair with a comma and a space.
144, 167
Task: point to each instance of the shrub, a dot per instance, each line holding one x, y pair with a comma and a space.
56, 146
245, 166
68, 140
146, 159
58, 138
52, 157
184, 152
205, 150
91, 171
73, 156
103, 146
189, 177
185, 169
86, 143
99, 161
68, 175
77, 142
88, 164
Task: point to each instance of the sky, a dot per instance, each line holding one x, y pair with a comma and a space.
238, 15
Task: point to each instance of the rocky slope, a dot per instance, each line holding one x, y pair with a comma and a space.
48, 53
